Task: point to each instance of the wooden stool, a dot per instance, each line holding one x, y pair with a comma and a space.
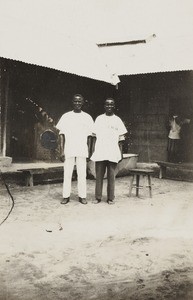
136, 173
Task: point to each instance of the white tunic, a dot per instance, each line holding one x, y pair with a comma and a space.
174, 133
76, 127
108, 130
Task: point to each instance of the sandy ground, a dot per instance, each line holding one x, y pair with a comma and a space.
139, 248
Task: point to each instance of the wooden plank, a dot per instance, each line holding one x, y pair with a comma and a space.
28, 173
175, 165
42, 170
56, 169
180, 166
141, 171
33, 171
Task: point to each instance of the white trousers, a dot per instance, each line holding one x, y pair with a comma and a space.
81, 172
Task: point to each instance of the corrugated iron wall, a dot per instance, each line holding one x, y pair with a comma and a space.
149, 100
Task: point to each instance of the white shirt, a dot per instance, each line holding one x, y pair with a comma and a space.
76, 127
108, 130
174, 133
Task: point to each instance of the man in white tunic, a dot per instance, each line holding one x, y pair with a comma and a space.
75, 135
109, 131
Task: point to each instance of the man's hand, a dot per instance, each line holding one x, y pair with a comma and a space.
62, 141
62, 157
88, 158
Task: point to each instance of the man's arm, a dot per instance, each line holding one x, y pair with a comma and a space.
121, 142
91, 145
62, 141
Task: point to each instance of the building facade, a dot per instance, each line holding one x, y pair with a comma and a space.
34, 98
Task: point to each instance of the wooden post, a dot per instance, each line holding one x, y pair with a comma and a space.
4, 88
149, 185
162, 172
1, 103
137, 184
131, 185
5, 116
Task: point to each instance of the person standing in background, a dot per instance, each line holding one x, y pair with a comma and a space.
174, 140
109, 131
75, 129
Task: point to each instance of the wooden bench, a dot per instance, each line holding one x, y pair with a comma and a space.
29, 173
179, 166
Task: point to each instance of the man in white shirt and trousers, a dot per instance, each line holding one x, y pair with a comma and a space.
75, 129
109, 131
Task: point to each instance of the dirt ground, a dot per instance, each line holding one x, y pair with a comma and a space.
139, 248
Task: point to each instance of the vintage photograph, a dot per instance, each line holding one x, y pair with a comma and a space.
96, 150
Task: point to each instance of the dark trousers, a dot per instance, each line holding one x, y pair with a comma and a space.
174, 150
101, 167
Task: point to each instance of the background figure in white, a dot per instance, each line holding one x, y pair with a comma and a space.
75, 143
174, 139
174, 147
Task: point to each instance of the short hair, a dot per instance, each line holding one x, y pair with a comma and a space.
78, 96
110, 99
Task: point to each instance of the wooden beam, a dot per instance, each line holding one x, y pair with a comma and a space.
131, 42
122, 43
4, 139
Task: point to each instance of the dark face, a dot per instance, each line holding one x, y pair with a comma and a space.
109, 107
77, 103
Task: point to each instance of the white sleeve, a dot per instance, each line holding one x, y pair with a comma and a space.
61, 125
121, 138
122, 128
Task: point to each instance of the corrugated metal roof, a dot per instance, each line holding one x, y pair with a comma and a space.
53, 49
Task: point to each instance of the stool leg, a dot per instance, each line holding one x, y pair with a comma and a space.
131, 185
29, 180
137, 185
162, 172
149, 184
144, 184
